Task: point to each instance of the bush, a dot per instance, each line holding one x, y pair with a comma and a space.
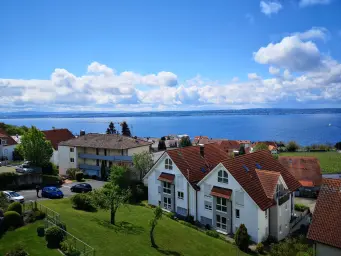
242, 238
41, 231
50, 169
51, 180
68, 249
212, 233
83, 202
12, 219
17, 251
8, 179
54, 236
94, 177
79, 176
171, 215
190, 219
71, 173
292, 146
300, 207
39, 215
188, 224
260, 248
16, 207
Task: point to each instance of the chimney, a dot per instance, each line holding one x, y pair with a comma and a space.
202, 150
82, 133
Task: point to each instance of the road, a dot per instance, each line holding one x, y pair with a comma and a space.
65, 188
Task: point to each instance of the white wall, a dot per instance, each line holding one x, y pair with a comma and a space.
8, 151
133, 151
248, 213
64, 156
55, 158
263, 225
323, 250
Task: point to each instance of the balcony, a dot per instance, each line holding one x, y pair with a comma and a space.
89, 167
282, 196
107, 158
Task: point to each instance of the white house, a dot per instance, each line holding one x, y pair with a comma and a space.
7, 146
221, 192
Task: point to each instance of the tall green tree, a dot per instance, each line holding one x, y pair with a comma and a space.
153, 222
143, 162
103, 171
292, 146
260, 146
242, 150
161, 145
111, 129
125, 129
242, 238
185, 142
35, 148
338, 145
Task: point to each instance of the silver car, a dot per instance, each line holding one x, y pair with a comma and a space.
13, 196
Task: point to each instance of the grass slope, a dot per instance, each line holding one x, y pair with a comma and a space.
130, 235
330, 161
26, 236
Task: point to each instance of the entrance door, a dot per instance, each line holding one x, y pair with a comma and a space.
167, 203
222, 223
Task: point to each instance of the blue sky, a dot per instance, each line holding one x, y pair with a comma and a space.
178, 54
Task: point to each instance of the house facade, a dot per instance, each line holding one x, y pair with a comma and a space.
223, 193
88, 152
7, 146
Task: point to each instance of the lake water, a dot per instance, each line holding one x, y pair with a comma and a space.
303, 128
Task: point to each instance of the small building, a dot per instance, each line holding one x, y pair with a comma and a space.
272, 146
88, 152
7, 146
55, 136
307, 171
325, 228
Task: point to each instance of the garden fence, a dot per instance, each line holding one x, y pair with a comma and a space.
50, 214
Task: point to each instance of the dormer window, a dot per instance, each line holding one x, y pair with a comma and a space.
3, 142
223, 177
168, 164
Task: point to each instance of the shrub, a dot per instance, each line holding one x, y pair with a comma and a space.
54, 236
41, 231
50, 169
260, 248
52, 180
71, 173
79, 176
83, 202
17, 251
16, 207
68, 249
12, 219
171, 215
208, 226
242, 238
190, 219
300, 207
212, 233
292, 146
8, 179
188, 224
39, 215
94, 177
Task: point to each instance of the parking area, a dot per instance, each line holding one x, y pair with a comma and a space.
310, 202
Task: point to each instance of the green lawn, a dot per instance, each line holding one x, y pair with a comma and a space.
6, 169
130, 236
26, 236
330, 161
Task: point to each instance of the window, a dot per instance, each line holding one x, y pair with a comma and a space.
105, 152
221, 222
280, 228
223, 177
208, 206
97, 151
286, 206
237, 213
180, 195
221, 204
266, 214
72, 160
168, 164
3, 142
72, 149
167, 203
166, 188
97, 162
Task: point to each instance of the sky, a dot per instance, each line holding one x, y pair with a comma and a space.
157, 55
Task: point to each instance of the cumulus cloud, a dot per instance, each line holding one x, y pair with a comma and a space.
270, 7
273, 70
313, 33
305, 3
253, 76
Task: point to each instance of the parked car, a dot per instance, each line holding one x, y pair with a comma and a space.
81, 188
14, 197
52, 192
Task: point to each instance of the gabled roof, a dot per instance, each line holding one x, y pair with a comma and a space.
243, 169
192, 165
326, 224
227, 145
303, 168
57, 135
269, 180
10, 140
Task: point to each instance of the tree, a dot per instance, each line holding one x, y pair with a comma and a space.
292, 146
185, 142
143, 162
242, 150
111, 129
103, 171
161, 145
260, 146
35, 148
242, 238
125, 129
338, 145
157, 216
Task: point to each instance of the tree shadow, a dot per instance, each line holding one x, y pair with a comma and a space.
121, 227
168, 252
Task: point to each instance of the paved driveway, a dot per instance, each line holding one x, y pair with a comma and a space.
306, 201
32, 195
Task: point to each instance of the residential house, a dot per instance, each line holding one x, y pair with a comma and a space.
7, 146
307, 171
272, 146
87, 152
325, 229
245, 143
221, 192
229, 146
55, 136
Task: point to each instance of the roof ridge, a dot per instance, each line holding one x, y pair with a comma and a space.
268, 171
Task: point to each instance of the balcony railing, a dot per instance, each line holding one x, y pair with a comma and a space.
89, 167
108, 158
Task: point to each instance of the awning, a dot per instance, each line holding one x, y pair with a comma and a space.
221, 192
167, 177
307, 183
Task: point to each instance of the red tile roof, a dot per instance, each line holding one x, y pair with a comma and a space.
228, 145
58, 135
269, 180
306, 183
243, 169
221, 192
326, 224
303, 168
10, 140
166, 177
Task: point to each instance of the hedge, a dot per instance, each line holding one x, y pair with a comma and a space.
7, 179
301, 207
83, 202
16, 207
51, 180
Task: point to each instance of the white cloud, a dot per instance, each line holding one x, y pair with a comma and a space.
313, 33
273, 70
235, 79
253, 76
96, 67
270, 7
305, 3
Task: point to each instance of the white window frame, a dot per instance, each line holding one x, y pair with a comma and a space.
223, 177
208, 207
167, 188
237, 213
181, 195
72, 160
168, 164
167, 203
72, 150
219, 222
286, 206
220, 206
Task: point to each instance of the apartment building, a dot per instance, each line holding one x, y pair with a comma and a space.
7, 146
